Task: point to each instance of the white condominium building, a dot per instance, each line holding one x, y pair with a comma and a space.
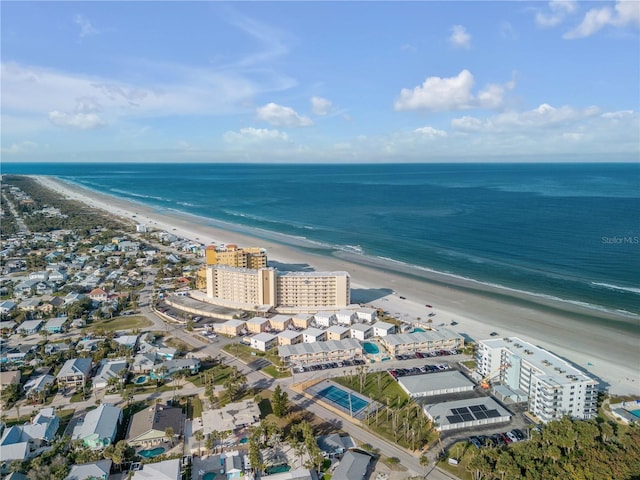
554, 387
289, 290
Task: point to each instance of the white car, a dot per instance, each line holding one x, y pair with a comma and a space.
511, 437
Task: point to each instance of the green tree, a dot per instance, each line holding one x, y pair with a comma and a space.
199, 436
279, 402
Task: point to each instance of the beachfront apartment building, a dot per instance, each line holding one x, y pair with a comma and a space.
231, 255
429, 341
320, 352
553, 387
289, 292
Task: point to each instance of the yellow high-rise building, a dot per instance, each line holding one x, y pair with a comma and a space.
233, 256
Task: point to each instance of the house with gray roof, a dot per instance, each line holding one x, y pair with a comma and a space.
99, 427
353, 466
21, 442
30, 327
56, 325
148, 426
96, 471
74, 373
110, 369
166, 470
38, 384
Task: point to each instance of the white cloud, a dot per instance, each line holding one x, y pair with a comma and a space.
459, 37
82, 121
430, 132
543, 117
438, 94
281, 116
560, 9
626, 12
253, 135
320, 106
407, 47
18, 148
86, 28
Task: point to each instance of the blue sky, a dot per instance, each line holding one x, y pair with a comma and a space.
320, 81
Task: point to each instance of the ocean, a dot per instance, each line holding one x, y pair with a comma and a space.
563, 231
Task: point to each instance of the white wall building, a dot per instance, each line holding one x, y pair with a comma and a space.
361, 331
346, 317
311, 335
264, 341
325, 319
382, 329
554, 387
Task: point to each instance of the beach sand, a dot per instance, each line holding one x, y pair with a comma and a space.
609, 353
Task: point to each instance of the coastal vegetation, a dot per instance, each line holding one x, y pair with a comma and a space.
564, 449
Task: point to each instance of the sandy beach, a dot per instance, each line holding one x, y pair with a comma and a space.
610, 353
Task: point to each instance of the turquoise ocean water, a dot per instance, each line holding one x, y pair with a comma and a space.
564, 231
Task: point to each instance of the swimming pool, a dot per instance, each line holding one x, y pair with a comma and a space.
209, 476
140, 380
371, 348
243, 441
635, 413
341, 397
277, 469
417, 330
154, 452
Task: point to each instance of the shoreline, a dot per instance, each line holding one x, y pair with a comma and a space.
609, 353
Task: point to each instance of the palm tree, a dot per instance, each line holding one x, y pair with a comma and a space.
168, 434
199, 436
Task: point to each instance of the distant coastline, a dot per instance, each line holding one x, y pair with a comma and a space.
574, 332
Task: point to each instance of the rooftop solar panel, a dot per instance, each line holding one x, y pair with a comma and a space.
480, 415
475, 408
492, 413
468, 417
454, 418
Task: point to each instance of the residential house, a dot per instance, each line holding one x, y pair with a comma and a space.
128, 341
289, 337
73, 298
148, 427
36, 385
110, 369
366, 314
257, 324
280, 322
41, 275
232, 417
143, 362
74, 373
25, 288
338, 332
361, 331
335, 444
264, 341
325, 319
56, 325
231, 328
7, 306
8, 327
233, 465
98, 295
353, 466
29, 304
90, 471
30, 327
312, 334
346, 317
21, 442
302, 321
165, 470
190, 366
320, 352
382, 329
11, 377
99, 427
58, 276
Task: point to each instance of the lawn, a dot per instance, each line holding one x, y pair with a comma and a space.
460, 451
273, 371
400, 420
243, 352
129, 322
65, 417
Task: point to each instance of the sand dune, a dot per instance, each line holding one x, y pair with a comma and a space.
610, 353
